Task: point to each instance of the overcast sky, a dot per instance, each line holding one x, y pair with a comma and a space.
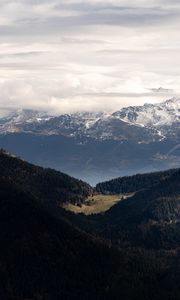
71, 55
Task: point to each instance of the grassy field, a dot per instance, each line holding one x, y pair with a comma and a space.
96, 204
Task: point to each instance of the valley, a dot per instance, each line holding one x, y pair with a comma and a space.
109, 249
96, 204
118, 234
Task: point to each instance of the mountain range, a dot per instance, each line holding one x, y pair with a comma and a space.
140, 123
97, 146
47, 253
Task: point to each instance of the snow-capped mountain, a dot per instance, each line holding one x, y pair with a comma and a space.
16, 120
152, 115
97, 146
147, 123
163, 117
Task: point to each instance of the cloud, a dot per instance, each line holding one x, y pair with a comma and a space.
76, 55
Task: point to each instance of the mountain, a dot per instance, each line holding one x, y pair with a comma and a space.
97, 146
46, 257
140, 123
164, 117
97, 126
155, 115
133, 184
42, 257
150, 218
19, 118
50, 186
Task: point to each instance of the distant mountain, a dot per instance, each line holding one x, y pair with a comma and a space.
155, 115
146, 123
164, 117
97, 126
97, 146
15, 121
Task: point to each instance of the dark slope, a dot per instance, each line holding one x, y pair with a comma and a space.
129, 184
150, 219
48, 185
45, 258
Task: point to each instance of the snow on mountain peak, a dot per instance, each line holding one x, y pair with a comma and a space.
146, 122
155, 115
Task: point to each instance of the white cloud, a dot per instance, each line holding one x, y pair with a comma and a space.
77, 55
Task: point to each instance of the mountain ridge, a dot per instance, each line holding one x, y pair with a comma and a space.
53, 187
150, 218
96, 146
149, 122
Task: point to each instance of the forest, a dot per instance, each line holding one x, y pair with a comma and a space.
130, 252
133, 183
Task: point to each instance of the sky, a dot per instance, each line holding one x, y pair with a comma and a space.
79, 55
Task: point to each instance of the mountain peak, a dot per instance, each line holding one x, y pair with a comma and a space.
155, 115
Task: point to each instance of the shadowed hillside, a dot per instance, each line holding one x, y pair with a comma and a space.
151, 218
42, 257
48, 185
129, 184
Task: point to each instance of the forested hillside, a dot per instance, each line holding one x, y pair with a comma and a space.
42, 257
133, 183
45, 256
151, 218
48, 185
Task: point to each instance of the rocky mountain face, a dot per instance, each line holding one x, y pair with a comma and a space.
155, 115
18, 120
163, 117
